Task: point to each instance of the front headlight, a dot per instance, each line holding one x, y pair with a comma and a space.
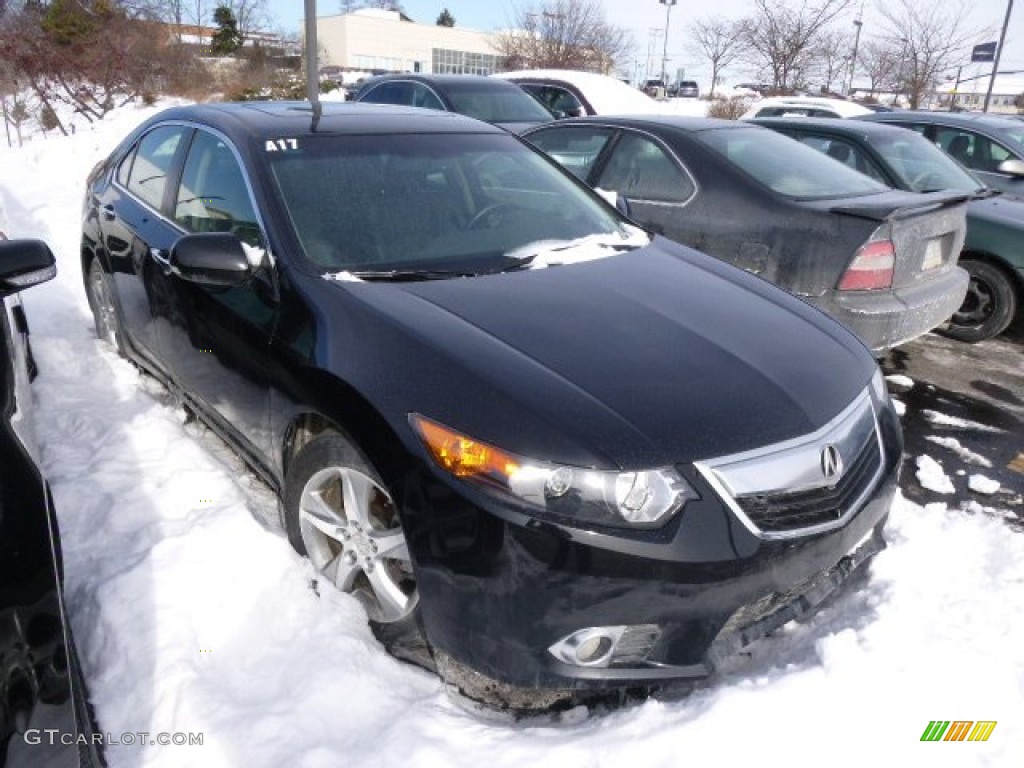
643, 498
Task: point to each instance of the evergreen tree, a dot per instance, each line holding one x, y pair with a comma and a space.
445, 19
227, 39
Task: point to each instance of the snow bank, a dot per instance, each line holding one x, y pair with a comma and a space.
193, 614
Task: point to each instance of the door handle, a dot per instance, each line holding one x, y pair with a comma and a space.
109, 213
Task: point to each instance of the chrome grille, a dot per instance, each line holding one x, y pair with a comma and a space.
788, 489
819, 506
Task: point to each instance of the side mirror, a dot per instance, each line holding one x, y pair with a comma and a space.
24, 263
215, 259
1012, 167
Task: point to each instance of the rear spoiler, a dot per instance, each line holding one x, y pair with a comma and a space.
880, 211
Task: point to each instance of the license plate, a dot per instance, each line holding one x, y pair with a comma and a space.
932, 254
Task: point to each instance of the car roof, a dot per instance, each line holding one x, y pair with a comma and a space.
658, 123
839, 106
441, 80
836, 125
979, 121
276, 119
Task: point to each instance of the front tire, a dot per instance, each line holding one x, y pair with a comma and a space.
989, 305
101, 302
341, 516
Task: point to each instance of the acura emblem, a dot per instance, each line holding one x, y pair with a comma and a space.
831, 462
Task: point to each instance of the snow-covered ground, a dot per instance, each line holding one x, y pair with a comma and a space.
193, 616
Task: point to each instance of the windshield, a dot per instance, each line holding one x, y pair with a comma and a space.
470, 203
492, 103
921, 166
787, 166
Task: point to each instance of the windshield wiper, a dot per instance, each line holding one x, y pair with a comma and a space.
409, 275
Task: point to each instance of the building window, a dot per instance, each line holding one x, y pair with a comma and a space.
448, 62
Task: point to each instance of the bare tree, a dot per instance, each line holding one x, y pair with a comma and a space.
880, 62
720, 41
831, 51
932, 37
781, 37
565, 34
250, 15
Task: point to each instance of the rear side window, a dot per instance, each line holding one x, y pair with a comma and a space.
786, 166
213, 196
575, 149
152, 162
556, 99
390, 93
640, 169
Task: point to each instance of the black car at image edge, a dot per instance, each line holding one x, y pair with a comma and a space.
45, 718
553, 456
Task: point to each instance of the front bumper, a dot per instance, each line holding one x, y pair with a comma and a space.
886, 319
499, 588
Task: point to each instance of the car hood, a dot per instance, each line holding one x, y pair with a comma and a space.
652, 357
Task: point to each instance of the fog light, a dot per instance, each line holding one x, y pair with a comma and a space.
593, 648
607, 646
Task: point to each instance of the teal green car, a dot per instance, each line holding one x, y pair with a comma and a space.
993, 251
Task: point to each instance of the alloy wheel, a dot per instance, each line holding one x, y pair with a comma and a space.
351, 532
102, 304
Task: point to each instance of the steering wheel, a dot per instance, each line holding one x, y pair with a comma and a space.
486, 211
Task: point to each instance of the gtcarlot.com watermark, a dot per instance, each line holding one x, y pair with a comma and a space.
53, 736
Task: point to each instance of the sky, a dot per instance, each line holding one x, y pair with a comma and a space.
642, 16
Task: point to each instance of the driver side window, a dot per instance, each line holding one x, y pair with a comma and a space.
213, 196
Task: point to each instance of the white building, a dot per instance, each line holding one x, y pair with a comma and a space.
971, 93
377, 40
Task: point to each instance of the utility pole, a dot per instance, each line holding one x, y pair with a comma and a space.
856, 43
999, 52
664, 50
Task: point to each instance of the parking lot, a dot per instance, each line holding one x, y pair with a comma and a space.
965, 409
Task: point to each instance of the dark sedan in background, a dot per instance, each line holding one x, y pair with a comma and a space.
44, 714
551, 455
993, 251
485, 98
883, 262
991, 146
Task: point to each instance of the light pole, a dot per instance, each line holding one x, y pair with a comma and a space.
853, 59
664, 50
999, 52
653, 33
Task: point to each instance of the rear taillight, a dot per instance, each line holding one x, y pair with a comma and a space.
872, 267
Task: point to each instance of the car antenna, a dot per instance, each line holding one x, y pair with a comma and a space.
318, 111
312, 84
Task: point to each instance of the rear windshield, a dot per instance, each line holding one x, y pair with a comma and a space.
493, 103
786, 166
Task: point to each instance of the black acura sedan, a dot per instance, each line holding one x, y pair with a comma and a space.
45, 719
552, 455
882, 262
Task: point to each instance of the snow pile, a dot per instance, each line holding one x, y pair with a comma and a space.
932, 477
983, 485
955, 422
900, 382
965, 453
193, 617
